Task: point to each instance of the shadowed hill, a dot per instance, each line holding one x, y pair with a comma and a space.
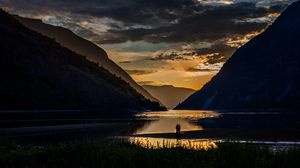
264, 73
83, 47
38, 73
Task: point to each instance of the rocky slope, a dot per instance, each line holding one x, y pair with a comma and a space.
262, 74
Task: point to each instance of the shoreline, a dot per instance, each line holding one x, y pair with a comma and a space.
233, 134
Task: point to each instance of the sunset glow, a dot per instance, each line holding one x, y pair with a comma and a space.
181, 44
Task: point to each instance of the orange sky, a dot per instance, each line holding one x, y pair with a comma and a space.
171, 72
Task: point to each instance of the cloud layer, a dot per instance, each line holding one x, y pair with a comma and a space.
148, 37
153, 21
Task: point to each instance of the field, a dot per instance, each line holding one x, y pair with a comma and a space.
111, 153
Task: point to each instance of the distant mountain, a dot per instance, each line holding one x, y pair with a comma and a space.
169, 95
264, 73
83, 47
38, 73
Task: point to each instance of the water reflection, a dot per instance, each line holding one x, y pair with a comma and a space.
162, 123
165, 121
167, 125
197, 144
183, 114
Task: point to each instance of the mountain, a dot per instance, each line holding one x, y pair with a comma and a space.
262, 74
169, 95
83, 47
38, 73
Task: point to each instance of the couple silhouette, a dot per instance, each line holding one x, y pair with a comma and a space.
178, 133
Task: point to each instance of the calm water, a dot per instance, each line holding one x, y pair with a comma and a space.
164, 122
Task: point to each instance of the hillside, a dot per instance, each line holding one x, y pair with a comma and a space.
262, 74
38, 73
83, 47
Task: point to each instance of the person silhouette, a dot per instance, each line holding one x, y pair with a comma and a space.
178, 134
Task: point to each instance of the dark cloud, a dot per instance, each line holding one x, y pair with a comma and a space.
214, 54
147, 12
224, 53
156, 21
127, 11
169, 56
212, 24
139, 72
193, 69
277, 8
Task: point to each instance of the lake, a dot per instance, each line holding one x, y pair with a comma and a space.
205, 129
166, 121
200, 128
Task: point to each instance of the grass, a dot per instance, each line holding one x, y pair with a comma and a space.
98, 154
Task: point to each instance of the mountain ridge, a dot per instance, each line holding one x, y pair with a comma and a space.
38, 73
91, 51
262, 74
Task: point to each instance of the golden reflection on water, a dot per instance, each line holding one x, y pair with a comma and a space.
165, 121
184, 114
167, 125
156, 143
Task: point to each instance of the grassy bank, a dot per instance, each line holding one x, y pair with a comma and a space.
121, 154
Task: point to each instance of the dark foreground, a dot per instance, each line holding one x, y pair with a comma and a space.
121, 154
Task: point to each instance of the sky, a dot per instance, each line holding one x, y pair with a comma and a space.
183, 43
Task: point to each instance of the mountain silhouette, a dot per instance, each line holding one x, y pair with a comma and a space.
38, 73
262, 74
169, 95
83, 47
